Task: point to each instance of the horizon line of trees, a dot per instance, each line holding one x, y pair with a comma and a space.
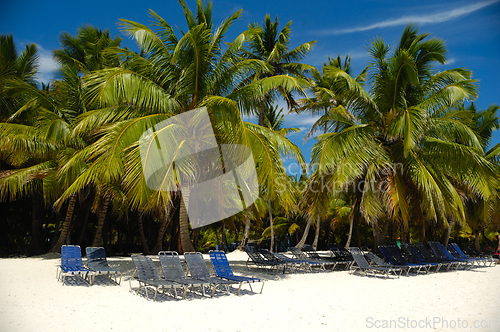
401, 145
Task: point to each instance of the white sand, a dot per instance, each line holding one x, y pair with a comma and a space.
33, 300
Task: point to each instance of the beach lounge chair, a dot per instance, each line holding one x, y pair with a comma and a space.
173, 271
430, 258
147, 276
414, 256
290, 262
311, 253
199, 270
223, 270
362, 265
342, 255
393, 255
484, 260
256, 258
98, 264
299, 254
71, 264
381, 262
440, 252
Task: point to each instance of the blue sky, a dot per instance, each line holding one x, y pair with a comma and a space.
471, 30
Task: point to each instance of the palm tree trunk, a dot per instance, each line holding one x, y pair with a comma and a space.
187, 246
144, 243
246, 232
446, 233
316, 235
477, 237
271, 223
351, 223
100, 222
377, 240
306, 233
67, 222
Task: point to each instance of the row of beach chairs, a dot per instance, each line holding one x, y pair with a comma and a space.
416, 258
173, 277
301, 260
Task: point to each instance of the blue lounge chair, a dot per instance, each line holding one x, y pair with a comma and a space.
199, 270
442, 253
416, 257
483, 260
71, 264
394, 257
223, 270
98, 264
146, 274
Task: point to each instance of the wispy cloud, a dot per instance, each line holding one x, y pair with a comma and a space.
47, 65
418, 19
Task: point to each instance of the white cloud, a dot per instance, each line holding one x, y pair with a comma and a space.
450, 61
418, 19
47, 65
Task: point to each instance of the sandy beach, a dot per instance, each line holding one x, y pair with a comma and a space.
33, 300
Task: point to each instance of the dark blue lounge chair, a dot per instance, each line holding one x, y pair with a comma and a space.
223, 270
72, 264
483, 260
394, 257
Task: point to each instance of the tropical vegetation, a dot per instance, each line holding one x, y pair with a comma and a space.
401, 151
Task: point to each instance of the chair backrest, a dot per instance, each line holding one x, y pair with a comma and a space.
340, 252
414, 250
220, 263
298, 253
309, 250
146, 269
388, 255
71, 256
443, 251
459, 251
374, 258
268, 255
453, 251
96, 256
359, 258
253, 254
410, 256
171, 265
396, 253
196, 264
425, 252
435, 250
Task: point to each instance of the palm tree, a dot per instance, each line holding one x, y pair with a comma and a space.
402, 148
172, 75
270, 45
17, 74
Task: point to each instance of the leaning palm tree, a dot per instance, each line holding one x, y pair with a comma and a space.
172, 75
403, 149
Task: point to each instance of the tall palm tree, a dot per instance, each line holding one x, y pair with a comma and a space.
269, 44
402, 148
172, 75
